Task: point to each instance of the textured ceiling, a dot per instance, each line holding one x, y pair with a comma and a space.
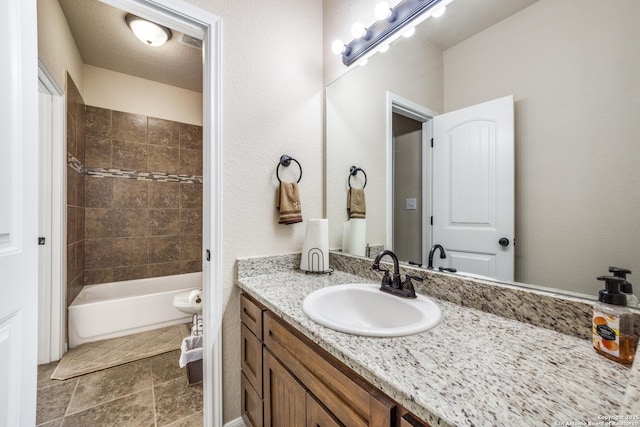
104, 40
465, 18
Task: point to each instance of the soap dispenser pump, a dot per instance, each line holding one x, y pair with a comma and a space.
626, 287
612, 322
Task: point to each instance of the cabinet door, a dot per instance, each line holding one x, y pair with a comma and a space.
251, 358
284, 397
318, 416
251, 405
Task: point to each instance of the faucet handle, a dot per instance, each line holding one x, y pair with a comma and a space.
386, 279
418, 278
407, 286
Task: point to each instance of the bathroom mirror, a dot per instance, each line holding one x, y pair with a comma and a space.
573, 70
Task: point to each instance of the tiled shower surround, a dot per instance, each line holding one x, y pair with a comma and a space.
75, 192
134, 196
143, 196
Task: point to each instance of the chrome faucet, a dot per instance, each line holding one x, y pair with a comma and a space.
395, 285
443, 255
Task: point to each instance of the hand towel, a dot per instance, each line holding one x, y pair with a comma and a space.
288, 201
356, 206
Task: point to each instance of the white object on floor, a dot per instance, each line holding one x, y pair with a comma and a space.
190, 350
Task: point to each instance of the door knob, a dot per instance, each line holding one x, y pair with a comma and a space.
503, 241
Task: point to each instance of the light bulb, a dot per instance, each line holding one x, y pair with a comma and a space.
411, 31
382, 11
363, 62
383, 48
358, 30
338, 47
439, 12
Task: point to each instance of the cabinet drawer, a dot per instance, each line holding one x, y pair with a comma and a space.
251, 315
251, 358
353, 401
408, 420
251, 404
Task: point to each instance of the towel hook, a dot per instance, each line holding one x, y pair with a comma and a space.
353, 171
286, 161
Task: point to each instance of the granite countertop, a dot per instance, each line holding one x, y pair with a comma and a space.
473, 369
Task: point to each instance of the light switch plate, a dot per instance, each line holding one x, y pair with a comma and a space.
412, 204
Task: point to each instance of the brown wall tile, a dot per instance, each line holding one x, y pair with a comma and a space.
130, 156
99, 222
129, 127
164, 249
164, 222
164, 159
133, 227
74, 288
130, 251
164, 194
190, 221
72, 143
190, 136
163, 132
100, 275
129, 193
97, 121
130, 222
190, 248
98, 253
72, 186
190, 196
98, 152
164, 269
190, 266
72, 225
190, 162
98, 192
130, 273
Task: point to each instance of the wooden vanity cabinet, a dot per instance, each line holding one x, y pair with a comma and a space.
251, 361
302, 384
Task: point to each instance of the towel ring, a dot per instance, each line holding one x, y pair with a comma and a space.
286, 161
353, 171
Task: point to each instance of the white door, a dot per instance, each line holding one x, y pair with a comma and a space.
18, 212
473, 188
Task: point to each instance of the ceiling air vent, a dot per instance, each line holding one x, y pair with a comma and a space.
191, 41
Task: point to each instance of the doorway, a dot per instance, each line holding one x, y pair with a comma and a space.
203, 26
408, 182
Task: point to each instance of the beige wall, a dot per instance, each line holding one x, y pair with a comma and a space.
573, 70
56, 46
129, 94
356, 126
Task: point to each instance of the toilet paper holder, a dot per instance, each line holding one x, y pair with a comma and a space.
315, 262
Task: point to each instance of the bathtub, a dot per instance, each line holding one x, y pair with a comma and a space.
117, 309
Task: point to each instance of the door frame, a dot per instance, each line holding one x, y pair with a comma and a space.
51, 341
201, 24
397, 104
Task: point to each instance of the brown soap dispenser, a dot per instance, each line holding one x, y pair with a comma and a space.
612, 322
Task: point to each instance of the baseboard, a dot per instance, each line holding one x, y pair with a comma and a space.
235, 423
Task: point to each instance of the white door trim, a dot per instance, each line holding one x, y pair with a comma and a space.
400, 105
51, 344
204, 25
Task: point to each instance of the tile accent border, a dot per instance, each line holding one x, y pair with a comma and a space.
77, 165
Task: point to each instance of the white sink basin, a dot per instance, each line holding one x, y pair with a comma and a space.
362, 309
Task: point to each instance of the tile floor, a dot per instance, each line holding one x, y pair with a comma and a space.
148, 392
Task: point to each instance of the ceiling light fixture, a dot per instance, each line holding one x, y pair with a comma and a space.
148, 32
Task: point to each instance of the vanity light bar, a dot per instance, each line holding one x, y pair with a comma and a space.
406, 12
